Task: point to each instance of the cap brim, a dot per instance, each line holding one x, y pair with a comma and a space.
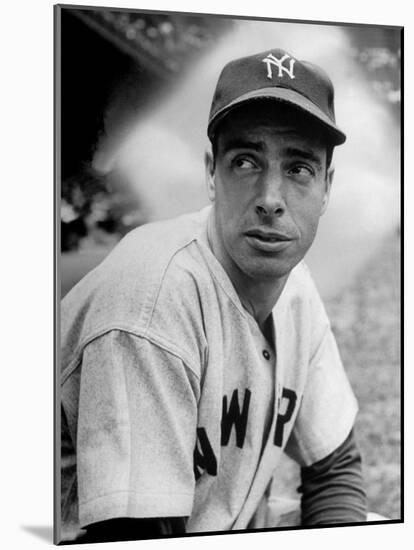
336, 136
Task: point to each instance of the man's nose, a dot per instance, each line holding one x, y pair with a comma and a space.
270, 201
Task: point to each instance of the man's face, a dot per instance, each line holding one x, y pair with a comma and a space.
270, 185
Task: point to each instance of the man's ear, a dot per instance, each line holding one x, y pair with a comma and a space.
209, 173
329, 180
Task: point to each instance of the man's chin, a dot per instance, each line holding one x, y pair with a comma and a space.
268, 270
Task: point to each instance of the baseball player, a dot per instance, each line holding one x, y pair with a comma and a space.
199, 351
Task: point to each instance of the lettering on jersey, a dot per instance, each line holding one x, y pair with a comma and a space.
232, 416
204, 457
283, 419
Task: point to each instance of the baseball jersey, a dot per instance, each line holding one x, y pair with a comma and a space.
173, 401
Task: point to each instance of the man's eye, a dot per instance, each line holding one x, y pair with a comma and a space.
243, 163
301, 171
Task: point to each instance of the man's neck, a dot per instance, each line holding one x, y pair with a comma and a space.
258, 297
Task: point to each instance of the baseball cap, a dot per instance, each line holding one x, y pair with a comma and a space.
275, 74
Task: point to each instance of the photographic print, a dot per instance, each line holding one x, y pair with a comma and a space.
228, 241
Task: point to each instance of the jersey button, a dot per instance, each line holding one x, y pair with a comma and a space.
266, 354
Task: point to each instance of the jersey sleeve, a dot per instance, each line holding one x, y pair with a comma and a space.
328, 407
136, 430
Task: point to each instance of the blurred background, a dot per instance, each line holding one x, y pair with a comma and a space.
135, 94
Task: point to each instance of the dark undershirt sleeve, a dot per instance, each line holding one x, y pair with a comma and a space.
332, 488
121, 529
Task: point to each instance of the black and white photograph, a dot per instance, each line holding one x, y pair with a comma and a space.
228, 210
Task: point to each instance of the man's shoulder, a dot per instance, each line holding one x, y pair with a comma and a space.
154, 270
300, 282
155, 243
302, 316
302, 296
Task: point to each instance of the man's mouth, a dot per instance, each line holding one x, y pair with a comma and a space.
267, 235
268, 240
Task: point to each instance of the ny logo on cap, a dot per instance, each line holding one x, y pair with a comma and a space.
272, 60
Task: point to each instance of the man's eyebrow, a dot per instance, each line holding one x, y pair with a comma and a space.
240, 143
306, 154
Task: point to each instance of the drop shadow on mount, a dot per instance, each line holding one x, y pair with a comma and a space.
43, 532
